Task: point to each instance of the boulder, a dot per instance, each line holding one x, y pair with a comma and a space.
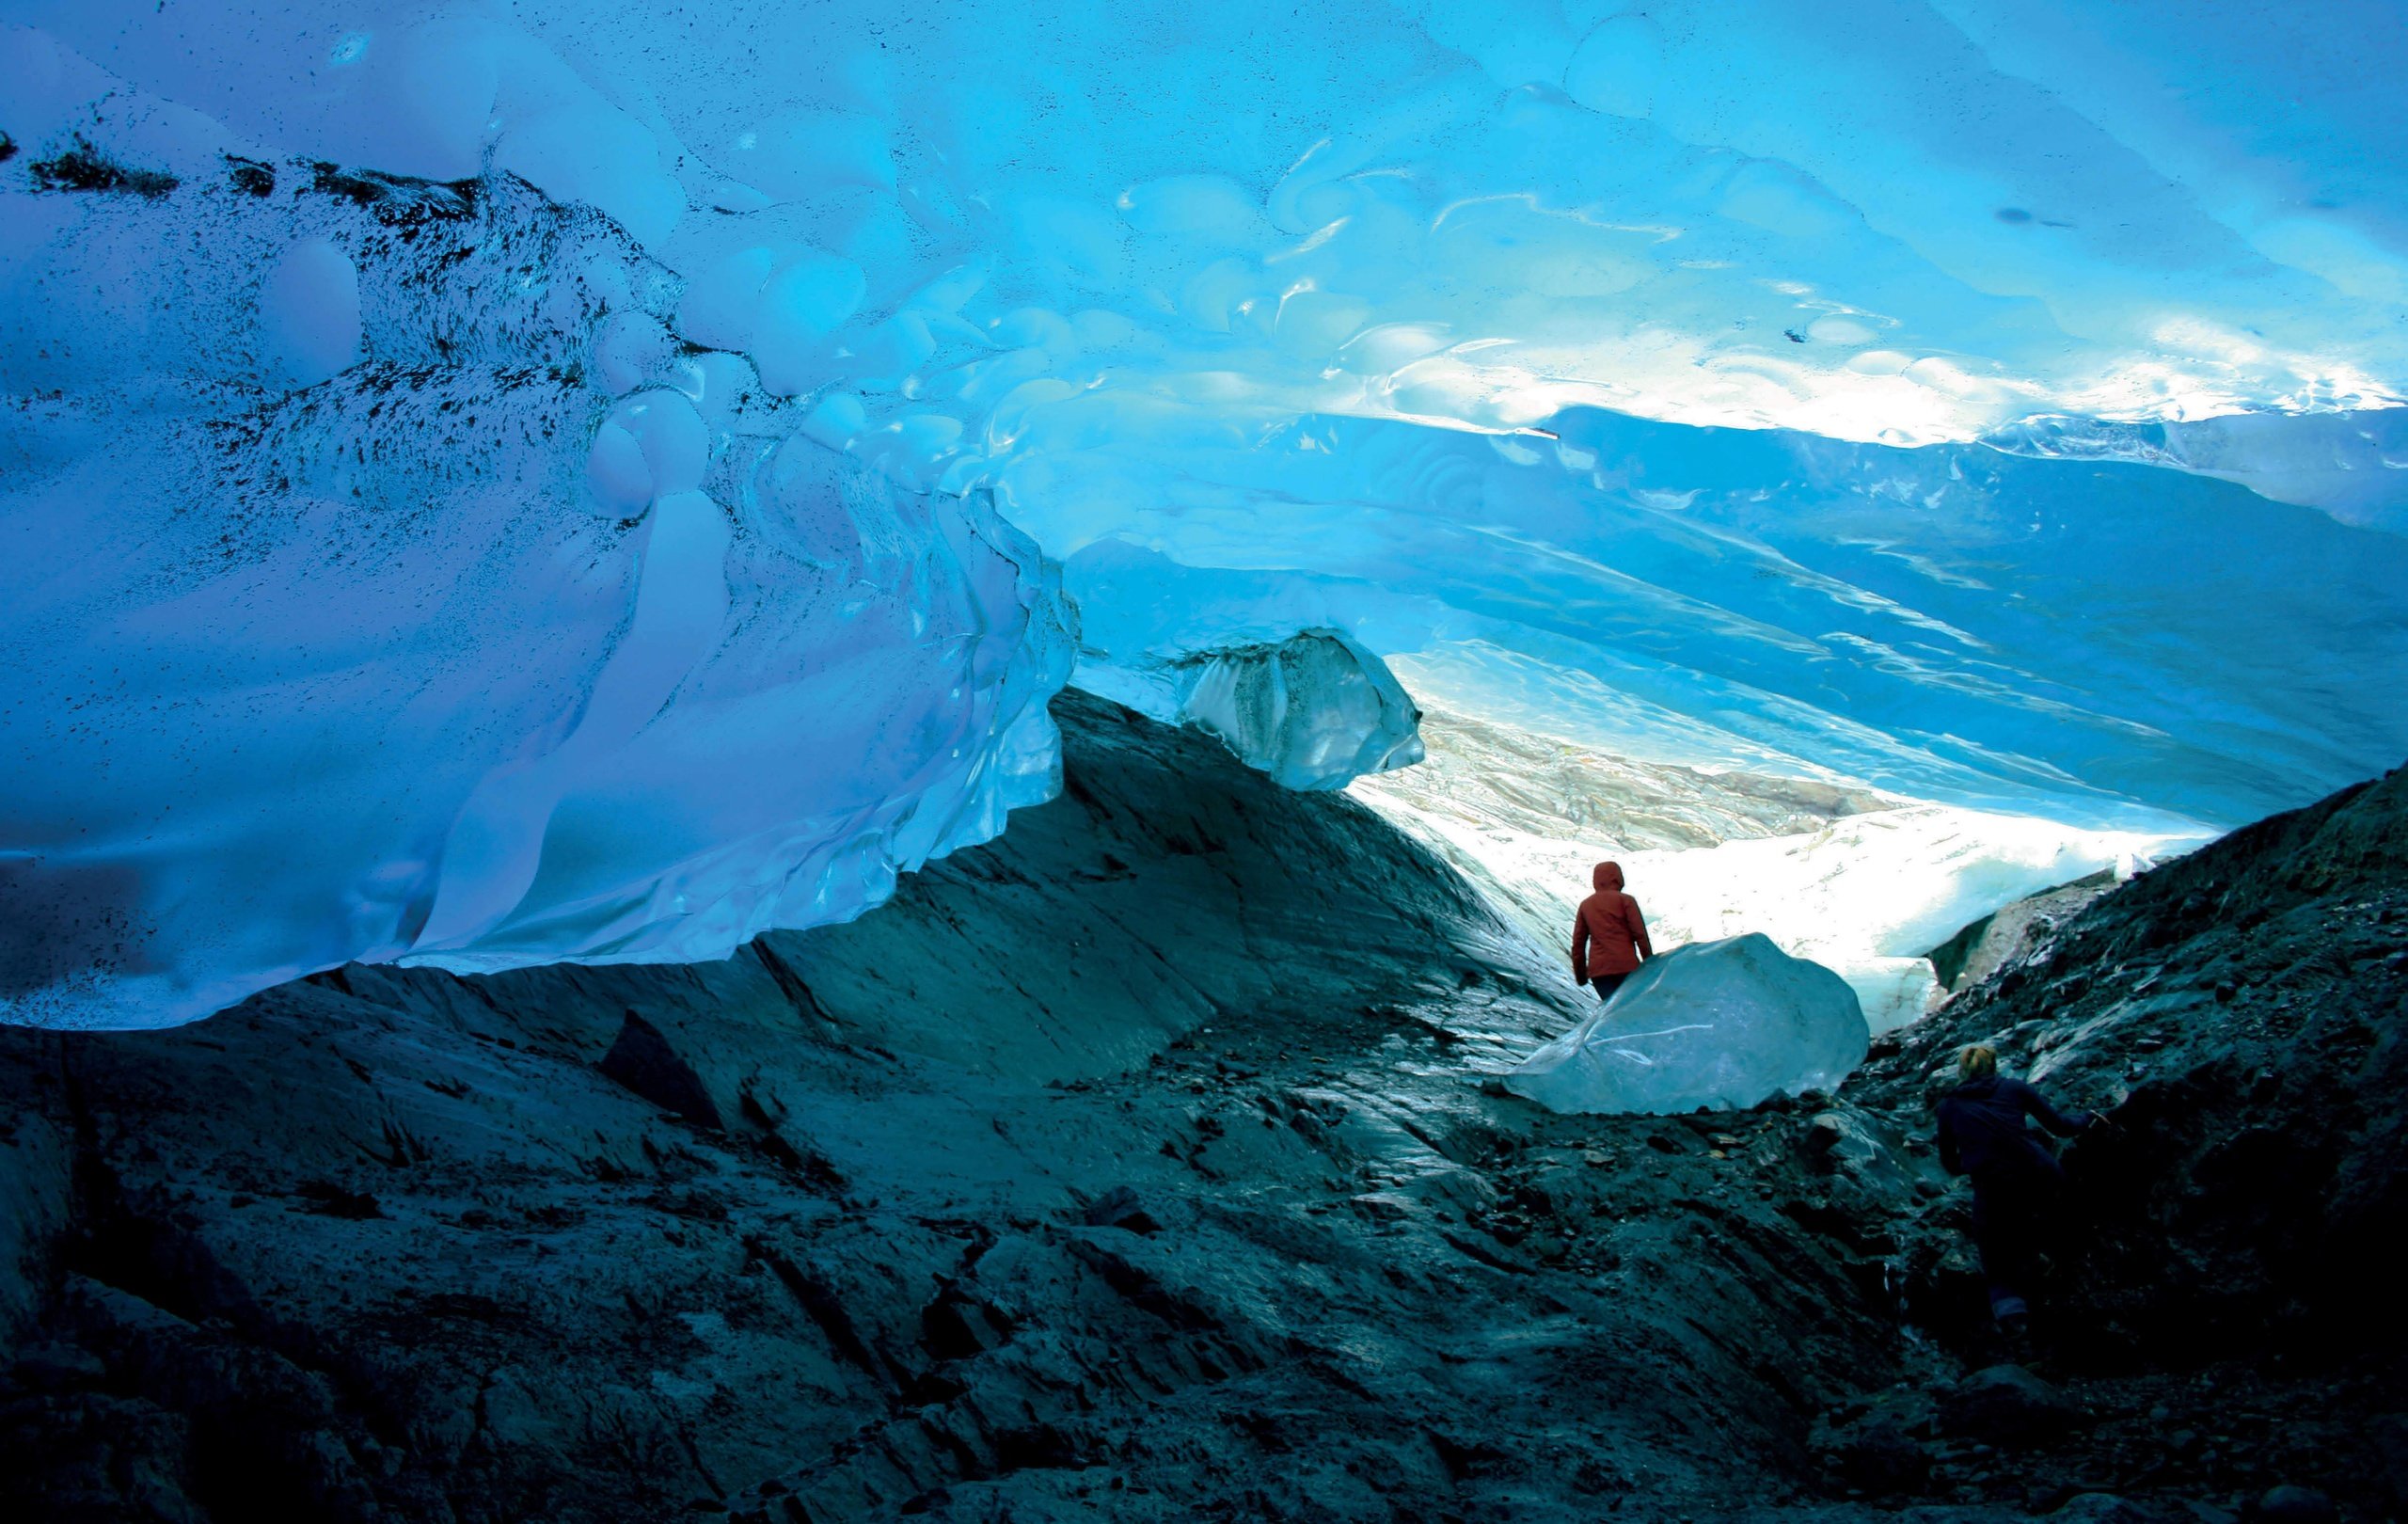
1723, 1025
2008, 1406
2295, 1505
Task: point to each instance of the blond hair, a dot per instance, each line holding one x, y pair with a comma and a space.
1979, 1061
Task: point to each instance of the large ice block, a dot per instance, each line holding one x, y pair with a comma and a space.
1316, 711
1715, 1025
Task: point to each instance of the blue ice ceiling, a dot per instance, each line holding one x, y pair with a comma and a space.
489, 483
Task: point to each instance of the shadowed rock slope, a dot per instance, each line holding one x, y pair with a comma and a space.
1135, 1167
2238, 1014
2225, 1300
1147, 1164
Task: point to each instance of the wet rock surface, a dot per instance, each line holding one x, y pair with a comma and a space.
1981, 949
1150, 1163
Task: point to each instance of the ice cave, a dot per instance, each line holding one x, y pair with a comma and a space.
818, 762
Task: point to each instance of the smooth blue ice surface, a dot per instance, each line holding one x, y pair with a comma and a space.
1718, 1025
507, 482
2081, 638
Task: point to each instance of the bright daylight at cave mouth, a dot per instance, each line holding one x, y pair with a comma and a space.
1417, 761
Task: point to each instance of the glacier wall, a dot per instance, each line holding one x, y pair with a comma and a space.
387, 582
495, 482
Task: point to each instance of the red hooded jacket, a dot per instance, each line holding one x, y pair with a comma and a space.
1609, 936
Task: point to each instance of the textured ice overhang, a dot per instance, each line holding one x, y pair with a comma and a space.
385, 582
549, 480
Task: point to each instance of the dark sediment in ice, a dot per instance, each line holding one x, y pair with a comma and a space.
1148, 1164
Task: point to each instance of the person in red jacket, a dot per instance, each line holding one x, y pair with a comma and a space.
1609, 935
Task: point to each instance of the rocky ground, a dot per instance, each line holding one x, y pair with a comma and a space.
1148, 1164
2225, 1308
1497, 775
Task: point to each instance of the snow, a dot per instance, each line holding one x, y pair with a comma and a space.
588, 480
1865, 890
1718, 1024
1867, 896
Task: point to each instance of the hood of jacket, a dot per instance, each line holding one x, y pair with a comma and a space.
1607, 876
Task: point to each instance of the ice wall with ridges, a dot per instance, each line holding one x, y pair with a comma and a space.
2101, 642
385, 583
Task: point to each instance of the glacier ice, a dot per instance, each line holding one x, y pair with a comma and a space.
1284, 688
1715, 1025
380, 591
2107, 642
1922, 394
1315, 711
2338, 462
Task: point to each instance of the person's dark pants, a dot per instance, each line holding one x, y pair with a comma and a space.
1606, 984
2012, 1212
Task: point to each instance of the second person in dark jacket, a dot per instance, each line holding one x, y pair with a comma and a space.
2016, 1179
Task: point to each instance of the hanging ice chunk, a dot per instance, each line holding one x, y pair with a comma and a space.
1315, 711
1264, 661
1718, 1024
